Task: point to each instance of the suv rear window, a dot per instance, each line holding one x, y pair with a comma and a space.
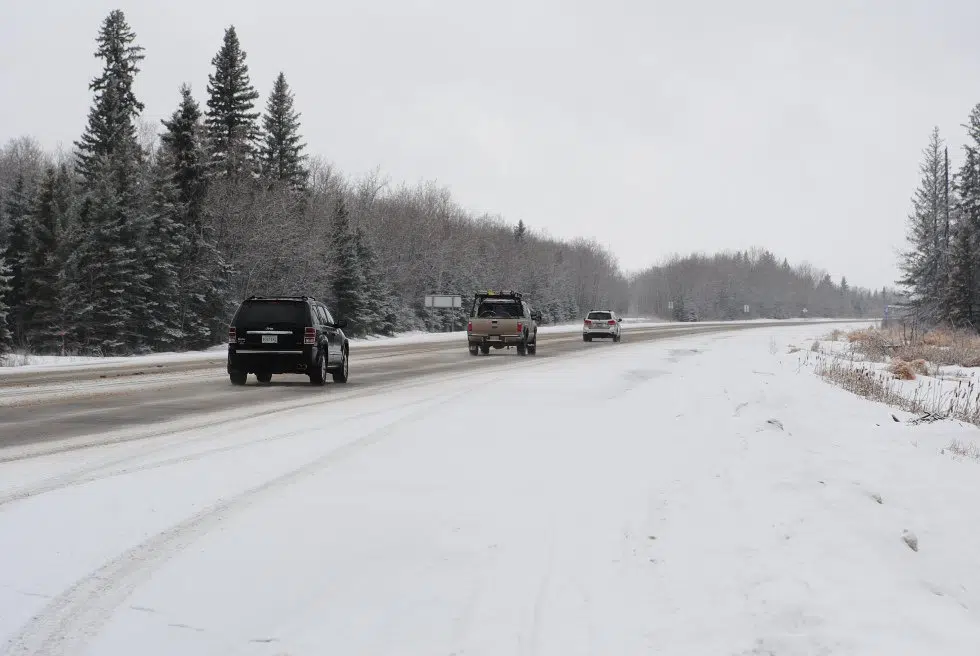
275, 314
601, 316
500, 309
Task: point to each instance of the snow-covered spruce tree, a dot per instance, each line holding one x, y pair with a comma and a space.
16, 217
43, 266
348, 278
233, 132
381, 314
159, 254
201, 272
110, 161
924, 263
282, 148
963, 290
6, 337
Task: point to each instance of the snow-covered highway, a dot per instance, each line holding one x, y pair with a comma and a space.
675, 494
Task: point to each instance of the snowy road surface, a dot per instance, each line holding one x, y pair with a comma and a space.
154, 393
691, 495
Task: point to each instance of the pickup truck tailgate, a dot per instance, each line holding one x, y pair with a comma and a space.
495, 327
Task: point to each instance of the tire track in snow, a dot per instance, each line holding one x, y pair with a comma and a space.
77, 614
106, 470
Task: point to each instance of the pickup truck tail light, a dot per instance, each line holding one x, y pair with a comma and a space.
469, 327
520, 327
309, 337
232, 335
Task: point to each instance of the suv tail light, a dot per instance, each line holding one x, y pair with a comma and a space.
309, 337
469, 327
232, 335
520, 327
588, 322
612, 322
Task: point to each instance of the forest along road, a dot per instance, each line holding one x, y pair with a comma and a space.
133, 400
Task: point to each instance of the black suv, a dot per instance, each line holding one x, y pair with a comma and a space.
286, 335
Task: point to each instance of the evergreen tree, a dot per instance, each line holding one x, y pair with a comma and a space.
16, 212
110, 162
348, 279
6, 337
843, 286
231, 120
111, 131
106, 258
961, 292
159, 252
43, 267
380, 314
201, 272
282, 151
924, 264
183, 145
520, 231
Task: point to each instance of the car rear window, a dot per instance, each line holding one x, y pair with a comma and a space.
272, 313
500, 309
601, 316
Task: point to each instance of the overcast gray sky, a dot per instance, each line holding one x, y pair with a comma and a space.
656, 127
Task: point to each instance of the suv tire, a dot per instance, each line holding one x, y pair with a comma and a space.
238, 377
343, 373
319, 374
264, 377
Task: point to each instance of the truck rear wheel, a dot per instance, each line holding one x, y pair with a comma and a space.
474, 349
485, 350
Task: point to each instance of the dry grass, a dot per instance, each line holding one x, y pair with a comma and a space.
961, 401
815, 347
909, 369
965, 450
939, 346
902, 370
939, 337
875, 345
835, 336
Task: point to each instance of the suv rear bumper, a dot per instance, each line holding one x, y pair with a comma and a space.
279, 361
599, 333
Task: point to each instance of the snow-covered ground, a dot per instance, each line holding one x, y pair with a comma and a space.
695, 495
54, 363
941, 390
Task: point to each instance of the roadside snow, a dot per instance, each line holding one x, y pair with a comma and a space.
697, 495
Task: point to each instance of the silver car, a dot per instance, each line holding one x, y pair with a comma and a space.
602, 324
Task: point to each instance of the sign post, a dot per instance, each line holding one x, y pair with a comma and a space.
445, 301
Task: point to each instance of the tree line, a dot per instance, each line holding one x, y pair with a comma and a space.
145, 237
749, 284
941, 264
